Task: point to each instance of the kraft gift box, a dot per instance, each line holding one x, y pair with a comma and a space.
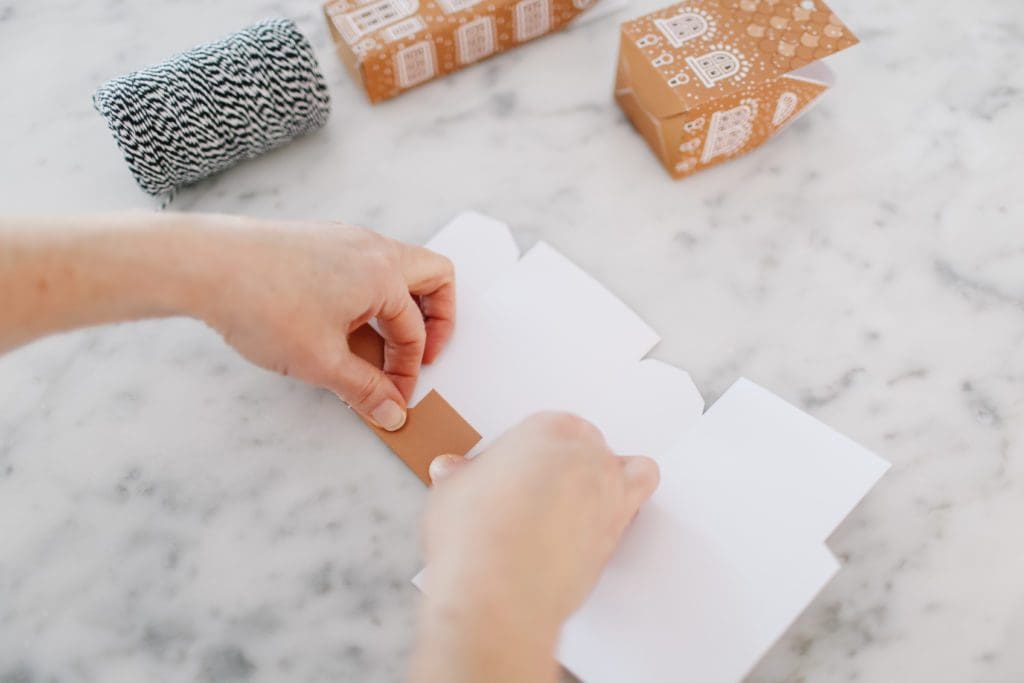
390, 46
707, 80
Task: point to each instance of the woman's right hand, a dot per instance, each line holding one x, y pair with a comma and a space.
515, 540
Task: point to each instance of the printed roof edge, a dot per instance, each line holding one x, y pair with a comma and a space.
733, 17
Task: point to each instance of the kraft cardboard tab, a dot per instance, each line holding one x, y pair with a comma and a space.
707, 80
731, 547
432, 426
390, 46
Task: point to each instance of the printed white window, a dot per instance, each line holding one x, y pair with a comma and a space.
785, 108
364, 46
404, 29
728, 132
683, 27
714, 66
663, 59
453, 6
367, 19
415, 64
475, 39
533, 18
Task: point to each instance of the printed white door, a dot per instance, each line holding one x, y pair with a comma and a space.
415, 64
475, 40
533, 18
683, 27
714, 66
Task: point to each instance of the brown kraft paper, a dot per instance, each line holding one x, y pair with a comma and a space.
706, 81
390, 46
432, 428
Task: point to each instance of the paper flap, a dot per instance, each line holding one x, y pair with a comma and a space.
816, 72
481, 249
547, 336
700, 609
797, 473
432, 426
729, 550
702, 51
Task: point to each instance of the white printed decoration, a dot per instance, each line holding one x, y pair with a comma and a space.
664, 59
475, 39
686, 165
364, 46
729, 130
785, 108
533, 18
415, 64
453, 6
695, 125
718, 65
681, 78
406, 28
375, 15
687, 25
691, 145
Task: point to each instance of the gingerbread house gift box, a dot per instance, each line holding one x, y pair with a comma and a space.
706, 80
390, 46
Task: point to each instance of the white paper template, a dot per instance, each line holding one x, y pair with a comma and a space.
510, 357
731, 548
728, 552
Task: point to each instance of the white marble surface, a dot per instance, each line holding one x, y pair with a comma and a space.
169, 513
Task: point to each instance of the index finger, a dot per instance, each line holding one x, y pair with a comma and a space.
401, 325
431, 277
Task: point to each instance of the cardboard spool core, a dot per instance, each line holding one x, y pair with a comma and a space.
432, 428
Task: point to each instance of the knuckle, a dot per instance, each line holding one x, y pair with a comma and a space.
366, 389
566, 426
447, 267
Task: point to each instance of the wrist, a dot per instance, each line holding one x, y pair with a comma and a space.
474, 632
187, 265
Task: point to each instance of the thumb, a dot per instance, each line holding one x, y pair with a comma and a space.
443, 466
368, 391
641, 476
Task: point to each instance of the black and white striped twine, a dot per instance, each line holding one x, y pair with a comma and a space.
219, 103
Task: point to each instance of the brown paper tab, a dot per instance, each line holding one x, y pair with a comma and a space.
433, 427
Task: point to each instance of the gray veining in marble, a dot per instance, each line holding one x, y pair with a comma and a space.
169, 513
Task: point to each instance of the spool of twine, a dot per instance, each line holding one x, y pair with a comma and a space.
215, 105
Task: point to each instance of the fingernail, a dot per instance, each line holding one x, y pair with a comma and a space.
442, 466
388, 415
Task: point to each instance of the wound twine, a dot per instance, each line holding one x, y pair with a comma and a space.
215, 105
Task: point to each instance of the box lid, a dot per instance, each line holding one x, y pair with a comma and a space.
702, 50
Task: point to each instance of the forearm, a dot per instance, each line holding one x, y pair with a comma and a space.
466, 639
62, 273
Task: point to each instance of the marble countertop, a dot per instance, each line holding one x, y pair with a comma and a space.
168, 512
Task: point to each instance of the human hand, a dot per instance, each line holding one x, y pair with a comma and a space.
516, 539
287, 296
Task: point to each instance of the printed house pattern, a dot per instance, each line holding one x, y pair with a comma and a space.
392, 45
706, 80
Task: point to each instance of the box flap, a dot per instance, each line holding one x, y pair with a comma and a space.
702, 50
535, 332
